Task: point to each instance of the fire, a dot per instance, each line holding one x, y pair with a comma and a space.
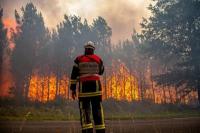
122, 85
6, 77
43, 89
10, 24
166, 94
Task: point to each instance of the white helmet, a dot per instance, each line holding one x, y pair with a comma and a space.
90, 44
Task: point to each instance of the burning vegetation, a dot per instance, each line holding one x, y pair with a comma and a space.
120, 85
41, 60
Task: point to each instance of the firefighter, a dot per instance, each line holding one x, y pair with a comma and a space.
86, 72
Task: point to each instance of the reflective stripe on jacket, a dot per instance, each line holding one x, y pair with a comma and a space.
89, 67
86, 71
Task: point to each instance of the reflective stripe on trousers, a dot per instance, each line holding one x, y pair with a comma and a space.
85, 117
85, 105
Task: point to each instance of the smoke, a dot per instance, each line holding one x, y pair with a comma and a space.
121, 15
124, 16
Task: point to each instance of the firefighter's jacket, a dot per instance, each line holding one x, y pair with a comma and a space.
86, 72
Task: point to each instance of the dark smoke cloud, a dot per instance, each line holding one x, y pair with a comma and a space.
121, 15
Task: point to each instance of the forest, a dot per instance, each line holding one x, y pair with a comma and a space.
160, 64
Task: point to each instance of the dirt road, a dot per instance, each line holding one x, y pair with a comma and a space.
175, 125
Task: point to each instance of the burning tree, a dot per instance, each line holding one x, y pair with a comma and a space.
3, 43
171, 38
42, 60
30, 37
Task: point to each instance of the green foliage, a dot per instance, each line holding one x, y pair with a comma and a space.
3, 42
171, 37
29, 39
38, 51
114, 110
169, 42
102, 38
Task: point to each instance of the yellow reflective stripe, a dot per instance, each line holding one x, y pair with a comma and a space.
81, 109
97, 86
73, 81
87, 126
98, 127
102, 114
89, 94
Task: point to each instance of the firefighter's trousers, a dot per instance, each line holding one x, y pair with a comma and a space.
88, 106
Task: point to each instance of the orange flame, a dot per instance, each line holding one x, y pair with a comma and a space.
44, 88
10, 24
6, 76
120, 86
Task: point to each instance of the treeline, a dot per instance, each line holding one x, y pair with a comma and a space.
171, 40
160, 64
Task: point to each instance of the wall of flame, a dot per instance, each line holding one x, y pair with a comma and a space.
120, 85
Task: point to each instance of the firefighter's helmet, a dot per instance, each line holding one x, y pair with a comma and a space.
90, 44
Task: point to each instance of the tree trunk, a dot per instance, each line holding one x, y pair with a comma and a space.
124, 83
65, 88
1, 74
42, 85
176, 95
48, 87
105, 85
152, 87
164, 95
57, 86
19, 92
26, 87
111, 87
170, 95
141, 86
37, 92
115, 93
198, 91
131, 85
68, 92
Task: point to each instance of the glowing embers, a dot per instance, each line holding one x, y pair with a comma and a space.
47, 88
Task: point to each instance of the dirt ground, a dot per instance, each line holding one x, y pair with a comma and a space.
175, 125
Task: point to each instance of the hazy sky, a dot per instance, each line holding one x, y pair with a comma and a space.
121, 15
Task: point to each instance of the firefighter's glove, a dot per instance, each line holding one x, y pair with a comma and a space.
74, 95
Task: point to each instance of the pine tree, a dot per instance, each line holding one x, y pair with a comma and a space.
29, 39
3, 42
172, 37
